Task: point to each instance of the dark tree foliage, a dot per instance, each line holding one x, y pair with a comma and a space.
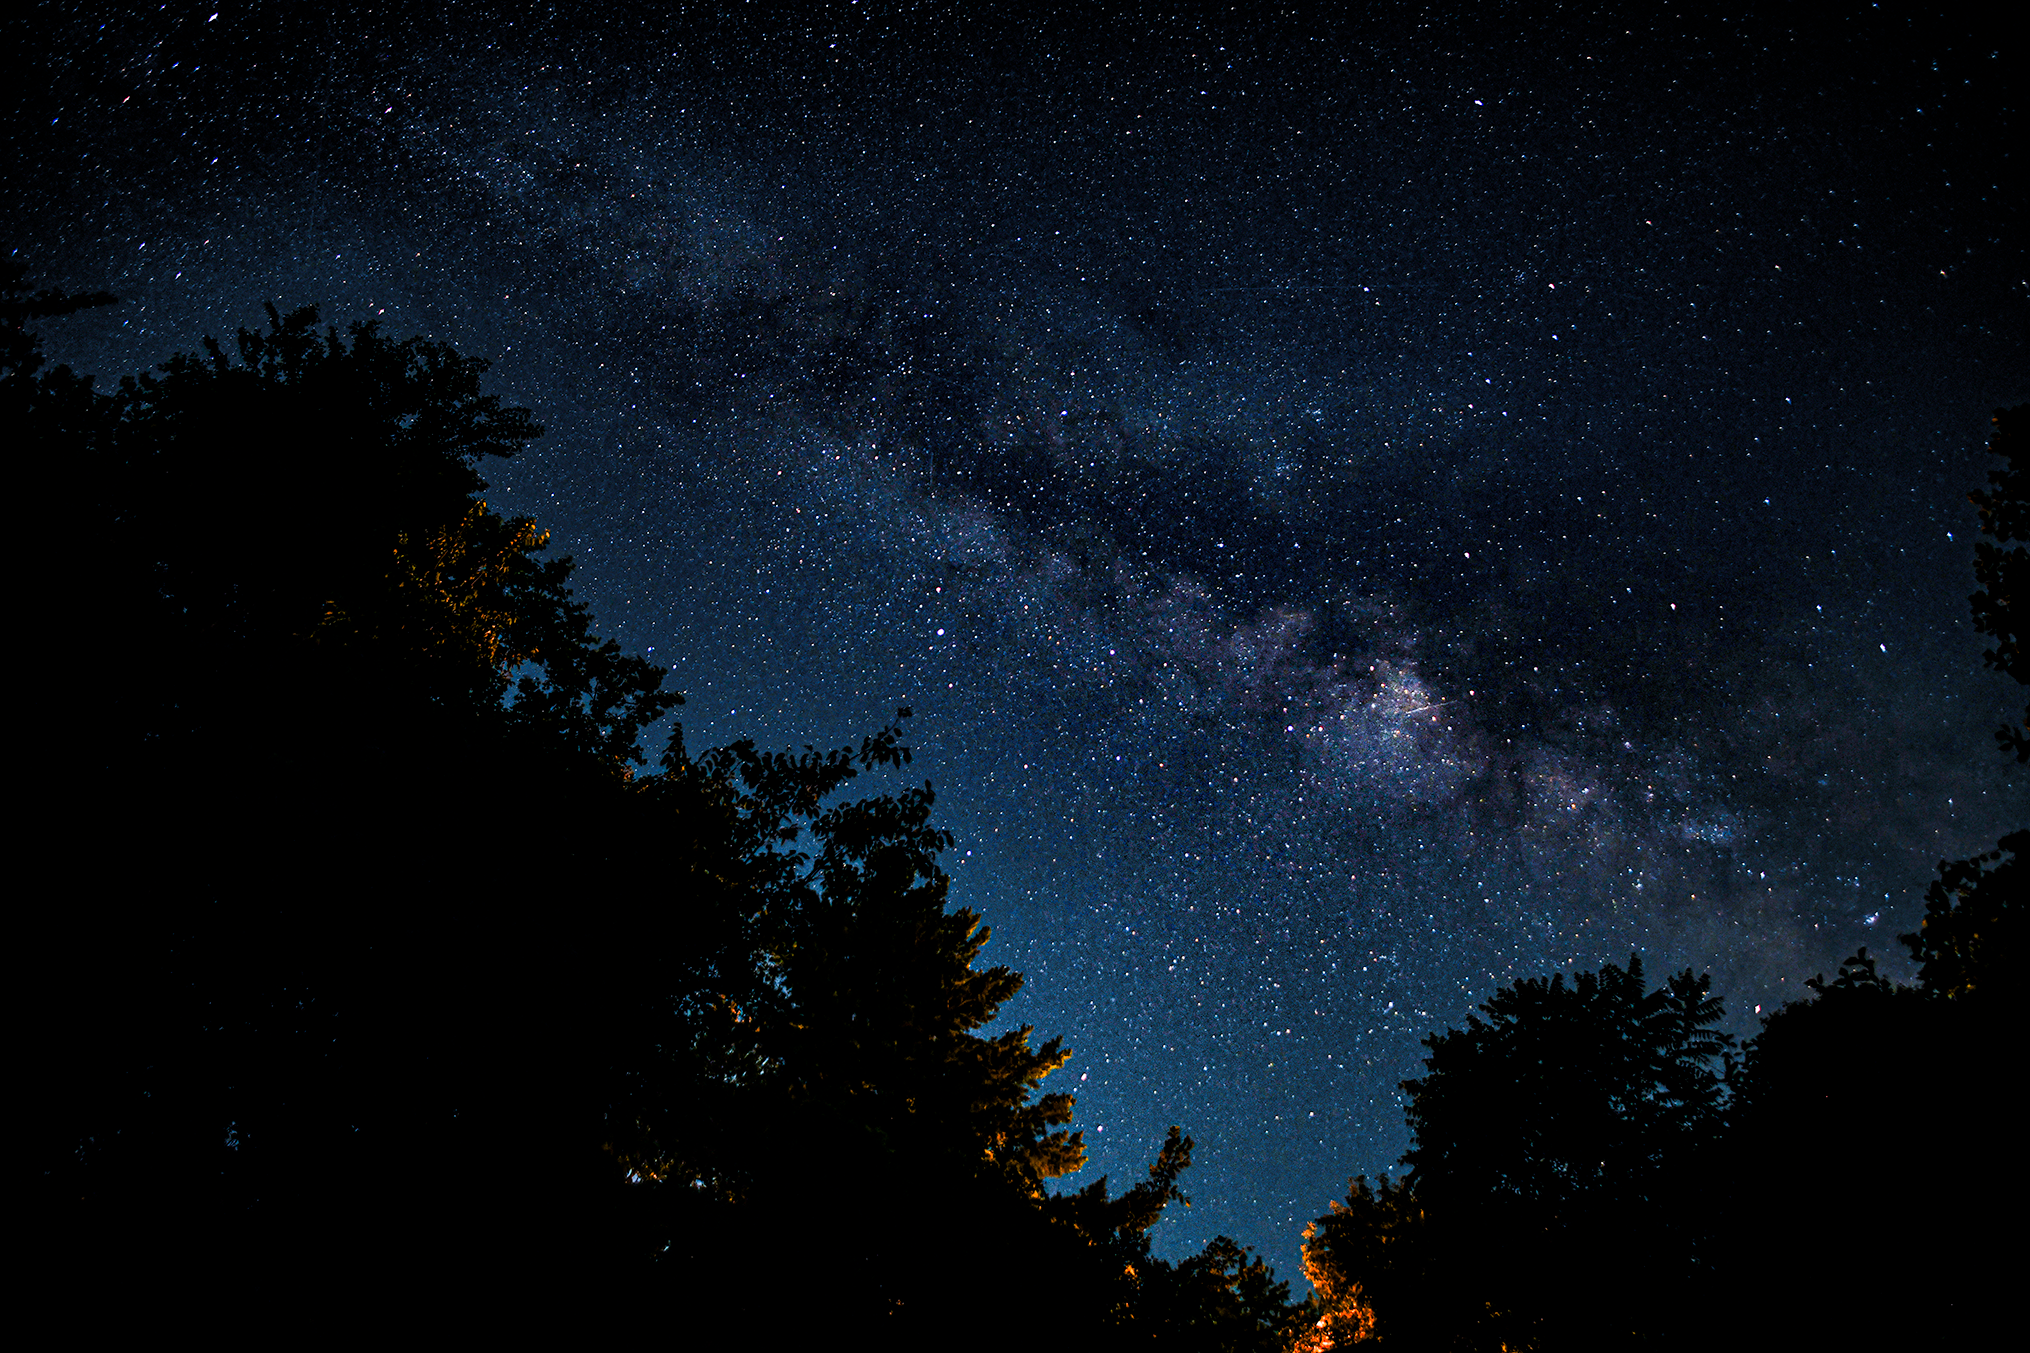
1872, 1166
1554, 1192
1222, 1298
1569, 1094
1369, 1262
325, 809
318, 496
813, 1058
1970, 945
382, 960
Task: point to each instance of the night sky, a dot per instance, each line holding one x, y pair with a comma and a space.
1363, 510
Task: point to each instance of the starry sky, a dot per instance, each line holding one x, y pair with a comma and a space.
1364, 508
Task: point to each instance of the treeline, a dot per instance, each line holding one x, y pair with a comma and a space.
371, 954
1594, 1168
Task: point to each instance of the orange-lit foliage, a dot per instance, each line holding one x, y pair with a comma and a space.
1367, 1245
448, 593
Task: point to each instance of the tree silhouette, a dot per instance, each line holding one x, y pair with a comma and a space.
1368, 1262
829, 1006
1568, 1093
320, 492
1554, 1178
394, 956
1970, 943
1222, 1298
343, 736
1872, 1130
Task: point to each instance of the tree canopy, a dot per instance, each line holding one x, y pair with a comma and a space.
347, 738
1552, 1185
398, 956
384, 948
1569, 1097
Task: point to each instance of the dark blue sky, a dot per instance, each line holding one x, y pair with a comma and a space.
1363, 510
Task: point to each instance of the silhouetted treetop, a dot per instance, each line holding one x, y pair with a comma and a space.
1863, 1072
307, 493
1558, 1154
1970, 943
1368, 1261
846, 999
1568, 1090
